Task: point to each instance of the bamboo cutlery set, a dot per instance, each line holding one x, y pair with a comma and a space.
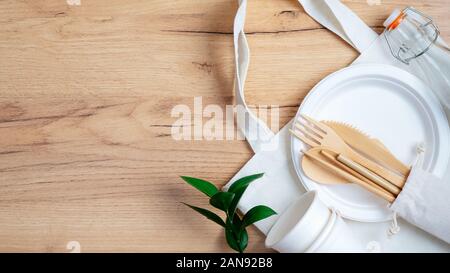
342, 154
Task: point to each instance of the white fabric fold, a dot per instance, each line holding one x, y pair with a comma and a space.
338, 18
330, 13
255, 131
424, 203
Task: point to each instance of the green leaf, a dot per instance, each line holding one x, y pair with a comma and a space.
231, 240
238, 188
235, 225
237, 197
208, 214
237, 237
243, 242
256, 214
222, 200
244, 182
202, 185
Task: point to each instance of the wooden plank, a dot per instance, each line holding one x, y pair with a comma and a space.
86, 94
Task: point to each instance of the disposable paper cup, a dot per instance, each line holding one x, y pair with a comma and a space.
337, 237
300, 225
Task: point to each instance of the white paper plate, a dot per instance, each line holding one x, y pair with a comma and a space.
388, 103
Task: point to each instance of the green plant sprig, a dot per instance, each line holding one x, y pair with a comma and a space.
227, 201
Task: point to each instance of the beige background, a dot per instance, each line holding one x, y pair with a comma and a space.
85, 98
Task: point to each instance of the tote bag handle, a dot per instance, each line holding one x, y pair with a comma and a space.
332, 14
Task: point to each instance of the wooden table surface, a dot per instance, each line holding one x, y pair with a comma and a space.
86, 93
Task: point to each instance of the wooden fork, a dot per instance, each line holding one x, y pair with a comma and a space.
317, 134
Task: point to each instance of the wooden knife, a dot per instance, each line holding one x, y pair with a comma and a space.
369, 146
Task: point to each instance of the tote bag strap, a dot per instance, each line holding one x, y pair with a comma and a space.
332, 14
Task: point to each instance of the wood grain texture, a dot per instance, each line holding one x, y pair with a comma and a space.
85, 98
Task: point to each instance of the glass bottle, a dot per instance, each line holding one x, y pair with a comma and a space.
413, 38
